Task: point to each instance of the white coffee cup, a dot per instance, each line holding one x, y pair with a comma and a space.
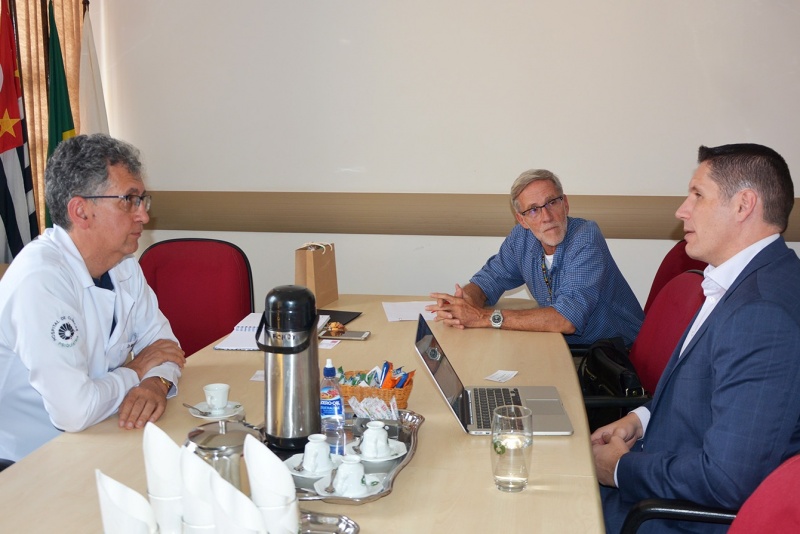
217, 397
349, 481
376, 441
317, 454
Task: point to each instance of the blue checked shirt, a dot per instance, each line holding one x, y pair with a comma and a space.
587, 287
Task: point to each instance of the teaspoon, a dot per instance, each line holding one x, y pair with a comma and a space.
196, 409
330, 488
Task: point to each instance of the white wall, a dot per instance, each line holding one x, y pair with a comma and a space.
444, 96
402, 265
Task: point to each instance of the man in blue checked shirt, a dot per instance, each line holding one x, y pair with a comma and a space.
564, 262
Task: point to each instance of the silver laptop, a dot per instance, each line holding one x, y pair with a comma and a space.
473, 405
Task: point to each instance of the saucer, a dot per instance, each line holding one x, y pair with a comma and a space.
233, 408
297, 459
374, 484
398, 449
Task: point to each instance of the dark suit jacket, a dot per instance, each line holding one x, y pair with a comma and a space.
727, 412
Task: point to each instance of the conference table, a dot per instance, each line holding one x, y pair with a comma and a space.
446, 487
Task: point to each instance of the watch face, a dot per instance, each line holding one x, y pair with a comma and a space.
497, 318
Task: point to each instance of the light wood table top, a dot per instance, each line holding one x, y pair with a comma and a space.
447, 486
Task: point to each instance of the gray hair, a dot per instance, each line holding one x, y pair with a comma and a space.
527, 178
79, 167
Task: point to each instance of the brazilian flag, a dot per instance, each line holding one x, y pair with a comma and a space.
60, 123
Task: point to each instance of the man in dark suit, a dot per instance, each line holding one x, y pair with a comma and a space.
726, 411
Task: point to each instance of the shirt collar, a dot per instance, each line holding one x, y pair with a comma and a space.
724, 274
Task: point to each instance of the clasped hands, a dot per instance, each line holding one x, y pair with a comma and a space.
147, 401
611, 442
459, 310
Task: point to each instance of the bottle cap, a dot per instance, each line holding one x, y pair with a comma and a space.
329, 371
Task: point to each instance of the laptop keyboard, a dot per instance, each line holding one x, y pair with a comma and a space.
487, 399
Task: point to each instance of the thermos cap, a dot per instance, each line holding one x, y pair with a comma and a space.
290, 308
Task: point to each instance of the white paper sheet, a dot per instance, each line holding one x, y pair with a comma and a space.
501, 376
407, 311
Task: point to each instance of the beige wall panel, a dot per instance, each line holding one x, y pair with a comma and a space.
619, 217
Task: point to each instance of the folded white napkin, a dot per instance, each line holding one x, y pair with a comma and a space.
196, 476
124, 511
271, 487
234, 513
162, 463
163, 468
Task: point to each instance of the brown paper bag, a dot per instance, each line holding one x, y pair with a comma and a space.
315, 268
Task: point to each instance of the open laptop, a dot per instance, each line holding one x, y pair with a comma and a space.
468, 404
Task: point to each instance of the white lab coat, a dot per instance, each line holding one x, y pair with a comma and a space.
60, 364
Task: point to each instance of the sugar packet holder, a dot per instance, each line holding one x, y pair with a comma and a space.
374, 408
381, 376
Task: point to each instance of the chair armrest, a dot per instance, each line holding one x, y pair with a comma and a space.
578, 351
676, 510
595, 402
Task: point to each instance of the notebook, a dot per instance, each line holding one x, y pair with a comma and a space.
549, 417
243, 336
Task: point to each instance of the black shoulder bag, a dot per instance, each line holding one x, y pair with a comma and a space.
606, 371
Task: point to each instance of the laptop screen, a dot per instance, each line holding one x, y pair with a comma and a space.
438, 364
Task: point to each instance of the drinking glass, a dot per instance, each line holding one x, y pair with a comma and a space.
511, 447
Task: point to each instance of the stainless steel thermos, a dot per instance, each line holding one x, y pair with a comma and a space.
288, 336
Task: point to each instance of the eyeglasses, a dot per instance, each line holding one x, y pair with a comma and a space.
535, 211
129, 202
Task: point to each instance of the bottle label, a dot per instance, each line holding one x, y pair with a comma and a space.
330, 402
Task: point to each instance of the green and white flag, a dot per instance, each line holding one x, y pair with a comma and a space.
60, 123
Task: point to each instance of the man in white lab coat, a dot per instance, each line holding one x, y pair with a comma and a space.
81, 335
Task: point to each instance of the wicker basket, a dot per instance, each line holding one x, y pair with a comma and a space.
401, 395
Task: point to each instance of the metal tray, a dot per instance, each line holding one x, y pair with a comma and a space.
405, 430
317, 523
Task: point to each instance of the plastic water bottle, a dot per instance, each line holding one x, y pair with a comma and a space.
331, 406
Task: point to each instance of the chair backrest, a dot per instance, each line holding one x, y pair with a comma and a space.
664, 324
773, 506
674, 263
204, 287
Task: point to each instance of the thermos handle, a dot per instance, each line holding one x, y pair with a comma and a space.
278, 350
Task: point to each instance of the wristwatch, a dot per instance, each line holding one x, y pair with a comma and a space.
166, 383
496, 319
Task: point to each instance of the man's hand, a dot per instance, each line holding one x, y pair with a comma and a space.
611, 442
464, 308
143, 403
629, 429
163, 350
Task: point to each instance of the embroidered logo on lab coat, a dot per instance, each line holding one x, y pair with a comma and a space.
64, 332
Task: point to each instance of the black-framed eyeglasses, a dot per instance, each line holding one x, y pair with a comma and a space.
129, 202
535, 211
